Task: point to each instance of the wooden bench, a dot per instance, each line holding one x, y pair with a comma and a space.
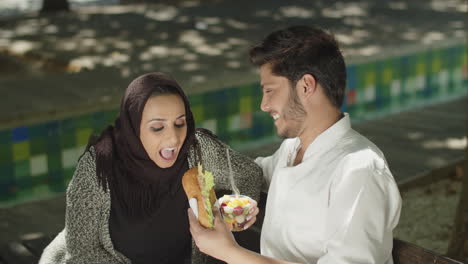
407, 253
29, 251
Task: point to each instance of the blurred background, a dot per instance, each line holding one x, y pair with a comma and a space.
64, 65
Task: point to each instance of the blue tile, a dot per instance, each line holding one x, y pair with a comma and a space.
351, 77
68, 125
19, 134
52, 128
38, 131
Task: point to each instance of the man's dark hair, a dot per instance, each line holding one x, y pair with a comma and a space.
299, 50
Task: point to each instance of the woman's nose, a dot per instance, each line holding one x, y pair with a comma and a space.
172, 137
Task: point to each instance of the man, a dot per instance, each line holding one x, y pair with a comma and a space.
331, 195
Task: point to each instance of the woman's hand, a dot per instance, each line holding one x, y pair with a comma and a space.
217, 241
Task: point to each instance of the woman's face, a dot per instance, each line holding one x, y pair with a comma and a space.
163, 128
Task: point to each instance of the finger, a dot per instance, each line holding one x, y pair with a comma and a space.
252, 208
194, 224
217, 215
194, 205
252, 214
250, 223
253, 202
229, 226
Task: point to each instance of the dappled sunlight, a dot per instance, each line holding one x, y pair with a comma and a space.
448, 143
154, 52
197, 42
21, 46
115, 59
398, 5
30, 27
31, 236
233, 64
341, 10
436, 162
233, 23
446, 5
415, 135
431, 37
296, 12
162, 14
111, 10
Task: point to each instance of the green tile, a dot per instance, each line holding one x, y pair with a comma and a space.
222, 129
5, 136
68, 140
388, 72
99, 121
68, 125
6, 153
22, 169
68, 173
84, 122
38, 146
248, 90
7, 177
195, 99
198, 113
54, 162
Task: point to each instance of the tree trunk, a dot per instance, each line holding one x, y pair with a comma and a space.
54, 6
458, 248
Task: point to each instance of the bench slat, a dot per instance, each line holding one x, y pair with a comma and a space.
17, 253
37, 245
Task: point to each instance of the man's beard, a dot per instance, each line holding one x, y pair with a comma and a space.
293, 115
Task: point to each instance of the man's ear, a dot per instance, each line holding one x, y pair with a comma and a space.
309, 84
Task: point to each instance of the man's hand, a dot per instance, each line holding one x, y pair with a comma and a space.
217, 241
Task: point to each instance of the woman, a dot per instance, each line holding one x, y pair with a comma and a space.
125, 203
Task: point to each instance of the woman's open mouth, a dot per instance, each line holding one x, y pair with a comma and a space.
168, 154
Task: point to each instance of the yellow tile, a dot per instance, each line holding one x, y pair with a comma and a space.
436, 65
370, 78
246, 104
420, 68
82, 136
387, 75
21, 151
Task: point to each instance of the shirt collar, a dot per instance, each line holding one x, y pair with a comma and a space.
328, 138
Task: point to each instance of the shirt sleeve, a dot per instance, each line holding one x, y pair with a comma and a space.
364, 208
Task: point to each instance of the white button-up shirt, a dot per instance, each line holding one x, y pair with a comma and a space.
339, 205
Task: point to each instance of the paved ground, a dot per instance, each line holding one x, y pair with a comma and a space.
55, 65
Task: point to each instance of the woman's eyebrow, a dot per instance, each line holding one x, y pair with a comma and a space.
156, 119
162, 119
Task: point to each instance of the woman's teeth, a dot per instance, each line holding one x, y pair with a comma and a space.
168, 153
275, 116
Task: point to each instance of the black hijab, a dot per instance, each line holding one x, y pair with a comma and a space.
122, 164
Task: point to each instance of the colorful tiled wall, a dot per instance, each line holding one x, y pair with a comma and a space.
37, 161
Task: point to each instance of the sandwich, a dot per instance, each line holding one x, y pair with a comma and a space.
199, 183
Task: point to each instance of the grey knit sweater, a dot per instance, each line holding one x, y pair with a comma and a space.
86, 239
